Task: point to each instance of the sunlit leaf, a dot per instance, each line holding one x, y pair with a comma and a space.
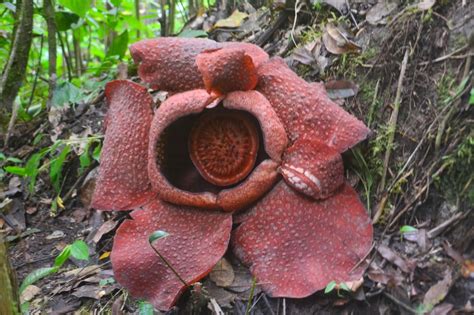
65, 20
16, 170
119, 45
80, 7
80, 250
63, 256
331, 285
57, 166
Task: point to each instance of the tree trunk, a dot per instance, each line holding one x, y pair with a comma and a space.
171, 16
137, 15
9, 304
51, 23
18, 60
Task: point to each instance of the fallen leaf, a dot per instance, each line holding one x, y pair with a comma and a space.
104, 229
442, 309
339, 5
55, 235
338, 89
222, 274
467, 269
337, 41
233, 21
395, 259
104, 255
438, 292
378, 13
426, 4
29, 293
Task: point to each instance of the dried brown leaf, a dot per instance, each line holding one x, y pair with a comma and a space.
438, 292
379, 13
222, 274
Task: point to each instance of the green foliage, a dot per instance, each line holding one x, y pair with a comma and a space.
145, 308
80, 7
78, 250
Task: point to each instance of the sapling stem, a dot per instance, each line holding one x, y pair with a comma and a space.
168, 264
252, 291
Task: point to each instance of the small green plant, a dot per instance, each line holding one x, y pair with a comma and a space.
78, 250
53, 158
337, 286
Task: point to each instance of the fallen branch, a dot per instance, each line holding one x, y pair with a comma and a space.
393, 120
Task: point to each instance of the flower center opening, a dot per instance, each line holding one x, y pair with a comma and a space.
223, 146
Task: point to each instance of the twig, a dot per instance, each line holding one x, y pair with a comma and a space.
393, 120
400, 303
424, 63
438, 229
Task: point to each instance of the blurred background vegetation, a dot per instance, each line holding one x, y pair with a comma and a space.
76, 46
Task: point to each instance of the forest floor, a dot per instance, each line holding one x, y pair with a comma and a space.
373, 58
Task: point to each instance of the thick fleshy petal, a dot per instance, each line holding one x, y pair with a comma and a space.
260, 181
259, 56
274, 134
197, 240
306, 110
226, 70
168, 63
123, 182
177, 106
313, 168
295, 245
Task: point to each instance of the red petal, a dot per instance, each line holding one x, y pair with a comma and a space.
123, 182
197, 240
306, 110
295, 246
274, 134
178, 105
260, 181
313, 168
227, 70
168, 63
259, 56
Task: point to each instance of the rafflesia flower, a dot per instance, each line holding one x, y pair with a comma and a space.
241, 140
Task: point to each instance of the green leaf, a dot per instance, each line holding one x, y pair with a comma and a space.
145, 308
65, 20
21, 171
66, 93
32, 169
331, 285
96, 152
192, 34
119, 45
407, 229
80, 250
36, 275
80, 7
84, 158
471, 98
344, 286
157, 235
116, 3
14, 160
57, 166
63, 256
104, 282
25, 308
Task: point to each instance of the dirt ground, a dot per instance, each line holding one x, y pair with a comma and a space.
421, 201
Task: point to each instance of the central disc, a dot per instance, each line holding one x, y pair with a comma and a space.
223, 146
